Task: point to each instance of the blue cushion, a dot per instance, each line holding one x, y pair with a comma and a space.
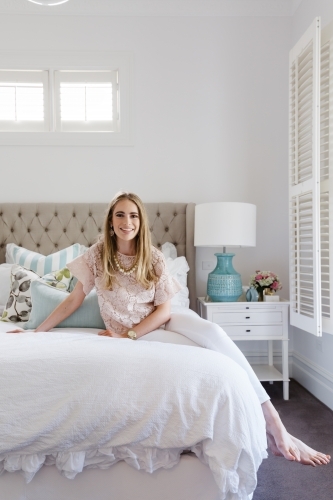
45, 299
42, 264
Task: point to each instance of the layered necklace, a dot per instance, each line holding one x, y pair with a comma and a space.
124, 271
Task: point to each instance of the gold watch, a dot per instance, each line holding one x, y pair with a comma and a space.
131, 334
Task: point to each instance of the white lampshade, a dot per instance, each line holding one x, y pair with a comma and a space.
225, 224
48, 2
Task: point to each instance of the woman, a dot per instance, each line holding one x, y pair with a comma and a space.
134, 291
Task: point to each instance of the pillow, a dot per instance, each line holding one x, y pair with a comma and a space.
18, 304
39, 263
178, 268
5, 283
46, 298
59, 279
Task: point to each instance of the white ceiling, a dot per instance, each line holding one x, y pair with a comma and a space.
156, 7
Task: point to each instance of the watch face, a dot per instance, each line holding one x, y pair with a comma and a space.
131, 334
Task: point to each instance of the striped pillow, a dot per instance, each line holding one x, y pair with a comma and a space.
39, 263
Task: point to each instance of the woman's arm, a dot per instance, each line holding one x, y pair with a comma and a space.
156, 319
62, 311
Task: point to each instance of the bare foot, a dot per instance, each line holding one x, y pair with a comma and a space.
283, 444
310, 456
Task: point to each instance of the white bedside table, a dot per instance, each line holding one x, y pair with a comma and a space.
254, 321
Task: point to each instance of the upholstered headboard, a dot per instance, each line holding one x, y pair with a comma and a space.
49, 227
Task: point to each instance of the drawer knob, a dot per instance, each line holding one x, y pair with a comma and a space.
247, 317
247, 331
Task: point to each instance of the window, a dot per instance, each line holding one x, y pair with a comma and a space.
311, 180
23, 100
87, 101
65, 98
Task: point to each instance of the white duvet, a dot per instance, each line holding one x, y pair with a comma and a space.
74, 399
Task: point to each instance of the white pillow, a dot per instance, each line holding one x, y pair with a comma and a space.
42, 264
5, 284
178, 268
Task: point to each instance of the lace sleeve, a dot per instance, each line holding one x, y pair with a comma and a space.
167, 286
84, 268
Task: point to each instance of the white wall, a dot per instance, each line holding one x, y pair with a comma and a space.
312, 357
210, 112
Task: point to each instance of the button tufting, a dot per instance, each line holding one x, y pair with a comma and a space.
20, 245
90, 214
99, 230
166, 229
38, 245
2, 245
37, 214
175, 244
56, 214
46, 230
56, 245
82, 230
175, 214
20, 215
73, 214
28, 229
12, 230
158, 214
65, 229
1, 214
158, 244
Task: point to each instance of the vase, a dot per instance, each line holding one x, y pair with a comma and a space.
224, 283
260, 295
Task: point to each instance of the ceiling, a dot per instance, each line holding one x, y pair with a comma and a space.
187, 8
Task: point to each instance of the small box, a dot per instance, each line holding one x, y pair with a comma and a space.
271, 298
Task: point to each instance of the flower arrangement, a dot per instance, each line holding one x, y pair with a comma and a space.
262, 280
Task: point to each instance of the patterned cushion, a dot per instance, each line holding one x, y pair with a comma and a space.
18, 305
39, 263
61, 279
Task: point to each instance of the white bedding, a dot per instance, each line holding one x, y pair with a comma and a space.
76, 400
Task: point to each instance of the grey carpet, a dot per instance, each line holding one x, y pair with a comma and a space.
311, 421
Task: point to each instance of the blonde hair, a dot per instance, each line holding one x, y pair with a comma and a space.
145, 273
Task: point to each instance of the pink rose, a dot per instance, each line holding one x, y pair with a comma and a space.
258, 277
275, 285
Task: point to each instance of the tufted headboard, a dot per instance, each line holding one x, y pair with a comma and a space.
48, 227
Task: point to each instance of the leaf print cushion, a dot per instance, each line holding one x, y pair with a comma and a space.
19, 305
59, 279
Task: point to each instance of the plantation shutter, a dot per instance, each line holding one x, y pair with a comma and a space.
304, 189
87, 101
326, 176
24, 103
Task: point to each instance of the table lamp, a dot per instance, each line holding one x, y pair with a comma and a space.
225, 224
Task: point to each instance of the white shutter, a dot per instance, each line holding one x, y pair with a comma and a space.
86, 101
304, 191
24, 101
326, 176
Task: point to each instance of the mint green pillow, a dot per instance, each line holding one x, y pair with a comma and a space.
45, 299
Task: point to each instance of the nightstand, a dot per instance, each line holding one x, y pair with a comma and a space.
254, 321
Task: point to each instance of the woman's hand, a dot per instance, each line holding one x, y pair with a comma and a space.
17, 330
108, 333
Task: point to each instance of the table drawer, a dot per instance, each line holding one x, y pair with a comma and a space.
261, 318
253, 330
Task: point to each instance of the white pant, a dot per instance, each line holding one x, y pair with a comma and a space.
210, 335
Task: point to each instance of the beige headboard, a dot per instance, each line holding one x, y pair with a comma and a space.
49, 227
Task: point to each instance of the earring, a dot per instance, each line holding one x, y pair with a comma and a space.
111, 231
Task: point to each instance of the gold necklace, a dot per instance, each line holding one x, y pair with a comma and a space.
122, 269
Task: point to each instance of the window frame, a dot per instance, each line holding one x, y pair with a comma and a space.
52, 61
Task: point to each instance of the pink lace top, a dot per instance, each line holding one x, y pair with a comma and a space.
128, 303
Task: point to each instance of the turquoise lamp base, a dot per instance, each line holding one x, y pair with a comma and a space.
224, 283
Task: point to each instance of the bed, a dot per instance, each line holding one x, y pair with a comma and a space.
215, 458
